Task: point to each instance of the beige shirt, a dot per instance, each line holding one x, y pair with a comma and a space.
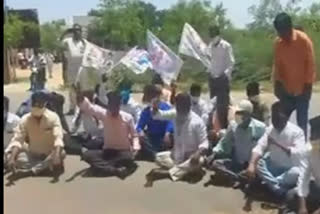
40, 135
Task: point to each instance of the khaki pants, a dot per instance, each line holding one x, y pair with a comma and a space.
27, 161
176, 171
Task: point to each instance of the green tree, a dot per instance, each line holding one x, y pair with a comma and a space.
50, 33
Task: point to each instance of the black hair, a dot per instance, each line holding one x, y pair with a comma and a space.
157, 79
214, 30
195, 89
6, 102
277, 108
39, 96
282, 22
114, 97
253, 88
184, 97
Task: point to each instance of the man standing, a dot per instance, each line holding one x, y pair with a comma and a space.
282, 141
294, 69
74, 47
190, 143
222, 62
309, 166
37, 144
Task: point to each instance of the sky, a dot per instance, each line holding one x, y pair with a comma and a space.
237, 10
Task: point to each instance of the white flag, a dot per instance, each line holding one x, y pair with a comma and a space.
97, 58
164, 61
137, 60
192, 45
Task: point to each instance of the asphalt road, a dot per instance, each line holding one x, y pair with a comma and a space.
113, 196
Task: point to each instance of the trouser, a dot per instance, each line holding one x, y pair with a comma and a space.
33, 80
313, 200
301, 105
50, 67
278, 179
73, 144
150, 146
218, 85
72, 98
27, 161
176, 171
109, 160
229, 167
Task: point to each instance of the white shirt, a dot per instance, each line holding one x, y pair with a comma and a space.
222, 59
90, 125
88, 78
309, 166
291, 137
201, 108
74, 54
12, 122
189, 135
102, 94
133, 108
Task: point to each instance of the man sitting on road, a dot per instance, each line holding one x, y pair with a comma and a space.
199, 106
233, 152
10, 122
129, 105
155, 135
190, 143
121, 141
37, 144
260, 109
309, 166
281, 143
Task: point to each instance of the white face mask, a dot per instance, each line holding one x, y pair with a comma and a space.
37, 112
255, 99
238, 118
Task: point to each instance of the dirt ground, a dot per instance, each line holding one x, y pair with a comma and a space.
111, 195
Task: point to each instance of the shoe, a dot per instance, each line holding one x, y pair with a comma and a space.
122, 173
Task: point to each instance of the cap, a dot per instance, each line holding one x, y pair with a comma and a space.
244, 106
315, 128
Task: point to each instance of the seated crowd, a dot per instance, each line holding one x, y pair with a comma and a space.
182, 134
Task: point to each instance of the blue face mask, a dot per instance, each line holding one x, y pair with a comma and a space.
125, 96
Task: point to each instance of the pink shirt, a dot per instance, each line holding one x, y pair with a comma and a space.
119, 132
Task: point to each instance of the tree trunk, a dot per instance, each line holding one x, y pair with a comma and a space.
6, 68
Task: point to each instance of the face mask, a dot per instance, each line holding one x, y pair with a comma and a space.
37, 112
255, 99
195, 100
216, 40
238, 119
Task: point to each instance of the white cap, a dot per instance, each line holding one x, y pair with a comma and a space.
245, 105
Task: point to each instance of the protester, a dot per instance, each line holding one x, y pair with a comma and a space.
190, 144
74, 47
101, 91
121, 141
129, 105
199, 106
294, 69
10, 121
261, 110
38, 71
50, 61
37, 144
165, 93
91, 137
219, 117
222, 62
155, 135
55, 103
233, 152
309, 192
282, 141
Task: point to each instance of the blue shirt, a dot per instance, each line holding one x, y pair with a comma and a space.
155, 129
